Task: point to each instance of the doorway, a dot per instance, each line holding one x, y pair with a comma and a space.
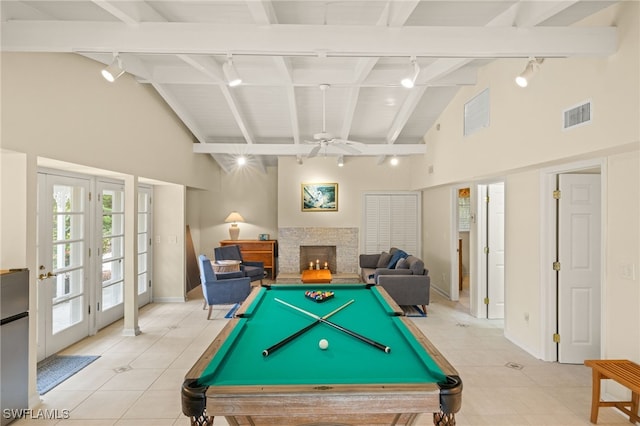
478, 239
64, 239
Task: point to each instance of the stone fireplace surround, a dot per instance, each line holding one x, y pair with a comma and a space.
344, 239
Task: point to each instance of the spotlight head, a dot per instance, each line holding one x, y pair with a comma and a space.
230, 72
242, 161
341, 161
407, 82
522, 80
394, 161
113, 71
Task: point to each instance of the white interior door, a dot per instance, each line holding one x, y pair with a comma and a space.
579, 275
63, 259
495, 255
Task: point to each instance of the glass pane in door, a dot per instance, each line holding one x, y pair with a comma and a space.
68, 256
143, 242
112, 248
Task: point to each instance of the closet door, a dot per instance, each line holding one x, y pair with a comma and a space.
392, 220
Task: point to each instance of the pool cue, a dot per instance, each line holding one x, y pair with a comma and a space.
373, 343
286, 340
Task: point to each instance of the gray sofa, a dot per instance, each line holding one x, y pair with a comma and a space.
407, 282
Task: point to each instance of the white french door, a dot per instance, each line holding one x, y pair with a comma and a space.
144, 245
110, 219
63, 262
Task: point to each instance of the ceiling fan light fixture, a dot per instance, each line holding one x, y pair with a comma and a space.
530, 69
230, 72
114, 70
410, 80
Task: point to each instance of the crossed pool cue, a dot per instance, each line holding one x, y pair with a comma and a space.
360, 337
286, 340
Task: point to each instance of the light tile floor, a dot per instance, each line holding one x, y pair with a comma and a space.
136, 380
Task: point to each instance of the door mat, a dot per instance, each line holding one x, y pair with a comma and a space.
232, 311
57, 368
413, 311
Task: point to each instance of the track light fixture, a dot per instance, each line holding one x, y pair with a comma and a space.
410, 81
114, 70
394, 161
233, 78
525, 76
340, 161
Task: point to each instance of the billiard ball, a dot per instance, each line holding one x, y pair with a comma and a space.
323, 344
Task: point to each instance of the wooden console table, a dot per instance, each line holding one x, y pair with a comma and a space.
258, 251
624, 372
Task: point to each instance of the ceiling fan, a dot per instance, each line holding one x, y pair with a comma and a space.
325, 139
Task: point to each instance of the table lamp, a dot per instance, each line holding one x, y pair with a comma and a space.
234, 231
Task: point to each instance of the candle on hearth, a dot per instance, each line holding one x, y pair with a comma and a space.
310, 265
326, 265
317, 263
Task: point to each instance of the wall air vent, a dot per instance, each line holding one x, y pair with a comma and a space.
577, 116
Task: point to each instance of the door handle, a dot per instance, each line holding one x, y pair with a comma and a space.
47, 275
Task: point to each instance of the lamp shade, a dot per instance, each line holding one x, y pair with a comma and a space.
234, 217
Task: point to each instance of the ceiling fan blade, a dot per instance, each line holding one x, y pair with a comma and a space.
348, 142
347, 148
314, 151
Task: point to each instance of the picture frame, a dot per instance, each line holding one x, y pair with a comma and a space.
319, 197
263, 237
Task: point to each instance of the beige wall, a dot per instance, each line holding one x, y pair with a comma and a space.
524, 139
358, 176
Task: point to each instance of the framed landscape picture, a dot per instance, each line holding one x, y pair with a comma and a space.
319, 197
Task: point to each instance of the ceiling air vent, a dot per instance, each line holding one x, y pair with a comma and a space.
577, 116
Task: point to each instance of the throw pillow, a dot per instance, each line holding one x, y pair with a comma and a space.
402, 264
397, 255
384, 259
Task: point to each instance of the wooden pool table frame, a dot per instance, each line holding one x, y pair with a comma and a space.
350, 404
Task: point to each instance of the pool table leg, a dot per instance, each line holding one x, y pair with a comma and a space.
444, 419
202, 421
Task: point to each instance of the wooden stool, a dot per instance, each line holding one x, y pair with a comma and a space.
624, 372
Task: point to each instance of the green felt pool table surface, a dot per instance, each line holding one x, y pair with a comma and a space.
234, 365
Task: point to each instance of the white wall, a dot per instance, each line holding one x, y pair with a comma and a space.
358, 176
523, 138
436, 236
248, 191
13, 207
169, 257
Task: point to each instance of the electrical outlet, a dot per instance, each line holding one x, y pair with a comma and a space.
628, 271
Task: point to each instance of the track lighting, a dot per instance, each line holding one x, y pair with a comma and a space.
522, 80
340, 161
241, 161
410, 81
233, 78
114, 70
394, 161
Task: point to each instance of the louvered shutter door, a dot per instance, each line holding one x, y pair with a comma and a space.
391, 220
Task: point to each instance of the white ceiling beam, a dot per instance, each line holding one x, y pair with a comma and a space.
335, 40
264, 14
304, 149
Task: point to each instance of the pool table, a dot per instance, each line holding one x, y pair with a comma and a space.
350, 382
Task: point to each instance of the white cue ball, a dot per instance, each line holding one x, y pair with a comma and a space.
323, 344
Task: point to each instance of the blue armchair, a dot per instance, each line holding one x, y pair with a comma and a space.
222, 288
253, 270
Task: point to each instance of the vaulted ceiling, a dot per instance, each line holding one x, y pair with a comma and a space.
315, 74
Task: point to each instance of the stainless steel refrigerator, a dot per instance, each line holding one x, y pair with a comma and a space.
14, 343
